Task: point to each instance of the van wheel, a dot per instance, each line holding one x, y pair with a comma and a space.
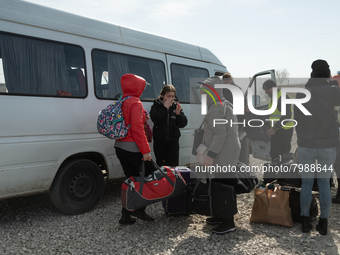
245, 151
77, 187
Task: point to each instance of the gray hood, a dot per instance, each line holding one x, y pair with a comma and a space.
212, 81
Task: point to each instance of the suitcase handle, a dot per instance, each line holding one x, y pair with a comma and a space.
157, 168
199, 181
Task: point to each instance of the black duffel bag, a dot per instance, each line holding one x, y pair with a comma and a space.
212, 199
242, 181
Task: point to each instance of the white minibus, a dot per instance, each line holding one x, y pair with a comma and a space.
57, 71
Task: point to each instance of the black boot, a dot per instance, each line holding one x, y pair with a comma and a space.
126, 220
141, 214
306, 224
214, 221
226, 226
322, 226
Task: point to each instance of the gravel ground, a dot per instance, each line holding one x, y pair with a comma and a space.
31, 225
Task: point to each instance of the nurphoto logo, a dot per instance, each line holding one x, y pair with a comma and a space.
239, 107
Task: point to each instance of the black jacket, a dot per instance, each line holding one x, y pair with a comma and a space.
166, 122
321, 129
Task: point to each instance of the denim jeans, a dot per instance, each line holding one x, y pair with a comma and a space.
325, 158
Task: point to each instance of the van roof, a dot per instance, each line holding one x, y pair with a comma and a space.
48, 18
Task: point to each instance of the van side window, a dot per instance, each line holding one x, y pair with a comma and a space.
36, 67
181, 76
109, 67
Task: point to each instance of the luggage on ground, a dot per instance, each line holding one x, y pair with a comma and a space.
271, 205
242, 181
212, 199
180, 204
286, 172
294, 204
140, 191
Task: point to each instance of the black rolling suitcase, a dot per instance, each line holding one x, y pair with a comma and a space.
294, 204
180, 204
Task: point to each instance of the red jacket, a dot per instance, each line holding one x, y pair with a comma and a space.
133, 111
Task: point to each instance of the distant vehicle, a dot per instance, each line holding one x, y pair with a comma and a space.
57, 71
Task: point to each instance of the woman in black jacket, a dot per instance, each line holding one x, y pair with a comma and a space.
168, 117
317, 138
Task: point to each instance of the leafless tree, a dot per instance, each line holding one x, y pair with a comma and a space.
282, 77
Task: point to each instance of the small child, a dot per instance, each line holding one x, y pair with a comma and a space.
168, 118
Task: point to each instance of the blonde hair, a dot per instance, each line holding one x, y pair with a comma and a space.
166, 89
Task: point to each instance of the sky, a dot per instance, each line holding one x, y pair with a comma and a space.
248, 36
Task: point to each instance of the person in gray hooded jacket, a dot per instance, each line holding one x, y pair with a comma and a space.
222, 142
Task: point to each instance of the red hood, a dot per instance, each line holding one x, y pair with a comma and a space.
132, 85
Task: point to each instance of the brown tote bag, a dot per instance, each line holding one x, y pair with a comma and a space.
272, 206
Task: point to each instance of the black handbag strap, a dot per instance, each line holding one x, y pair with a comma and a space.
201, 124
165, 175
142, 170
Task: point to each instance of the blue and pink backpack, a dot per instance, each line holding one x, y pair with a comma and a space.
111, 122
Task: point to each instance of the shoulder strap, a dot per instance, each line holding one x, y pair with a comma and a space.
226, 104
201, 124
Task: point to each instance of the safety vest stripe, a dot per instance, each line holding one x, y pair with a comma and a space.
288, 122
276, 115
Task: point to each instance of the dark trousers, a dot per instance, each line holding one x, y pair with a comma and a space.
131, 163
280, 142
167, 153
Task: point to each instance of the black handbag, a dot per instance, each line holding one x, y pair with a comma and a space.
212, 199
200, 198
198, 139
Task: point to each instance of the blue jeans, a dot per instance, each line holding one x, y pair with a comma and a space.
325, 159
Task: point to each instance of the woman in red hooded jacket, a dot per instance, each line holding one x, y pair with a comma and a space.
133, 148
